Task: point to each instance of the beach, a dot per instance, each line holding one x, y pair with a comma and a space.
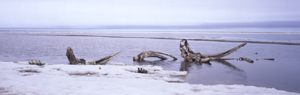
119, 76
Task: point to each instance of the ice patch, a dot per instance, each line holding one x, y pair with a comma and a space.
109, 79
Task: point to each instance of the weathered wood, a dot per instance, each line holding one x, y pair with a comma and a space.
188, 54
107, 58
225, 53
142, 55
71, 57
73, 60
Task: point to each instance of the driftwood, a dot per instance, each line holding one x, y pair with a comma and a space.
142, 55
191, 56
74, 61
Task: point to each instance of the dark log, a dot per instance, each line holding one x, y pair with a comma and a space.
269, 59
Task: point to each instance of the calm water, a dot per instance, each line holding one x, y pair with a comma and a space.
282, 73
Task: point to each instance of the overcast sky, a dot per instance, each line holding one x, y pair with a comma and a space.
69, 13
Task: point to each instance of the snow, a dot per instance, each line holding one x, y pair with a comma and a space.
112, 79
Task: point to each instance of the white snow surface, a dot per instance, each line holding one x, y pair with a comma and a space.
114, 79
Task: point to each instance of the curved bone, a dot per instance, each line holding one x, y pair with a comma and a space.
159, 52
142, 55
107, 58
225, 53
73, 60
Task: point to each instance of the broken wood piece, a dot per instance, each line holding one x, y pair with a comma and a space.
142, 55
36, 62
246, 59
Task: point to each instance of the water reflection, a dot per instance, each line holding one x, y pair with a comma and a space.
154, 62
226, 63
235, 70
185, 65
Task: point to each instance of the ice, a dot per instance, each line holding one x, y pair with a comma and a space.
120, 79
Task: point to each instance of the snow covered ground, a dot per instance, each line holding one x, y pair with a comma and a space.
114, 79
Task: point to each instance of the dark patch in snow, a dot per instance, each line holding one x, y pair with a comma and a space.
4, 91
58, 69
83, 74
196, 90
29, 71
141, 70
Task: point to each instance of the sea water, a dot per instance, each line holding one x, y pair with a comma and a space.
281, 73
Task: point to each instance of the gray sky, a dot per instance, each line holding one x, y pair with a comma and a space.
60, 13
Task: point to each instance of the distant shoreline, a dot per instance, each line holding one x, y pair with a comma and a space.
166, 38
83, 34
159, 32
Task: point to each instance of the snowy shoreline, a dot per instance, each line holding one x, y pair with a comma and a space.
114, 79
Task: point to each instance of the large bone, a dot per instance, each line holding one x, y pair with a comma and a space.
189, 55
73, 60
107, 58
142, 55
225, 53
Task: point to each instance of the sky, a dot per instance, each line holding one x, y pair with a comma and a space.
88, 13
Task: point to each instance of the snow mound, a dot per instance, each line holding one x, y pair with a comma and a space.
20, 78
